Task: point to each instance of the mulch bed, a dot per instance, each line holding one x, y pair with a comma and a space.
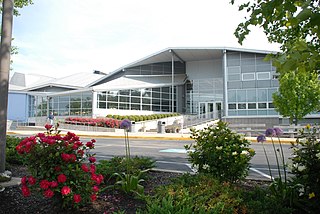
12, 200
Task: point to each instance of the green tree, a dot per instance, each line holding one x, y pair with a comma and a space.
298, 95
295, 25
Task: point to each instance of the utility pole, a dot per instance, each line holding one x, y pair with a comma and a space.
5, 50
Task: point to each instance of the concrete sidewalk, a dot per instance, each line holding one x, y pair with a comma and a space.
118, 134
135, 135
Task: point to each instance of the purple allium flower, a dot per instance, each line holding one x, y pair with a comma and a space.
125, 124
261, 138
278, 131
270, 132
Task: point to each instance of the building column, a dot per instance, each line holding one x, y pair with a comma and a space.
225, 85
172, 79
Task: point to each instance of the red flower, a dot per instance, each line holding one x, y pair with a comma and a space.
92, 168
93, 197
62, 178
48, 193
25, 191
44, 184
92, 159
97, 178
95, 189
81, 152
48, 127
54, 184
90, 144
65, 157
76, 198
75, 147
84, 167
73, 157
65, 190
24, 180
32, 180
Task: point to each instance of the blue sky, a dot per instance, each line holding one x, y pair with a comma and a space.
62, 37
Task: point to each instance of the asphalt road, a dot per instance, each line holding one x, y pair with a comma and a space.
171, 155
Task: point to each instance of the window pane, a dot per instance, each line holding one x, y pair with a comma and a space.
262, 105
232, 106
135, 107
135, 99
252, 105
242, 106
248, 76
124, 99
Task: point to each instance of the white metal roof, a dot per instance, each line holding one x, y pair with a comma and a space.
185, 54
132, 81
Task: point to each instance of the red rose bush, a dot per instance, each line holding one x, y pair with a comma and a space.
60, 168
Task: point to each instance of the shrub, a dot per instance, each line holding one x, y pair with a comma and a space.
12, 156
220, 152
119, 165
305, 167
196, 194
59, 169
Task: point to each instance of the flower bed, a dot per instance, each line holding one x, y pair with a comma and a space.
100, 122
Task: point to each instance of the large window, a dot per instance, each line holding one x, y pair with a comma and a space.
147, 99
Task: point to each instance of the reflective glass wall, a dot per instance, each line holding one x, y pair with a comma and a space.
251, 81
75, 104
203, 90
146, 99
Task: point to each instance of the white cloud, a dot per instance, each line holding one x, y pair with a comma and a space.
63, 37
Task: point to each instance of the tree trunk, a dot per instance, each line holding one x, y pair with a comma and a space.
6, 37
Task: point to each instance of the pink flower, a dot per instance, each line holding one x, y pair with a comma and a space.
25, 191
95, 188
92, 159
84, 167
48, 193
65, 190
76, 198
54, 184
44, 184
62, 178
93, 197
32, 180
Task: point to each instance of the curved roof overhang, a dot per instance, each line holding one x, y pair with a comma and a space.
183, 54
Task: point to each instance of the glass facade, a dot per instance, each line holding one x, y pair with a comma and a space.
250, 84
164, 68
203, 90
37, 106
146, 99
74, 104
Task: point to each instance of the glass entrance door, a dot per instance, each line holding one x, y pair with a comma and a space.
209, 110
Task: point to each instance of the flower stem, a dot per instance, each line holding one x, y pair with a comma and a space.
283, 162
265, 153
277, 159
